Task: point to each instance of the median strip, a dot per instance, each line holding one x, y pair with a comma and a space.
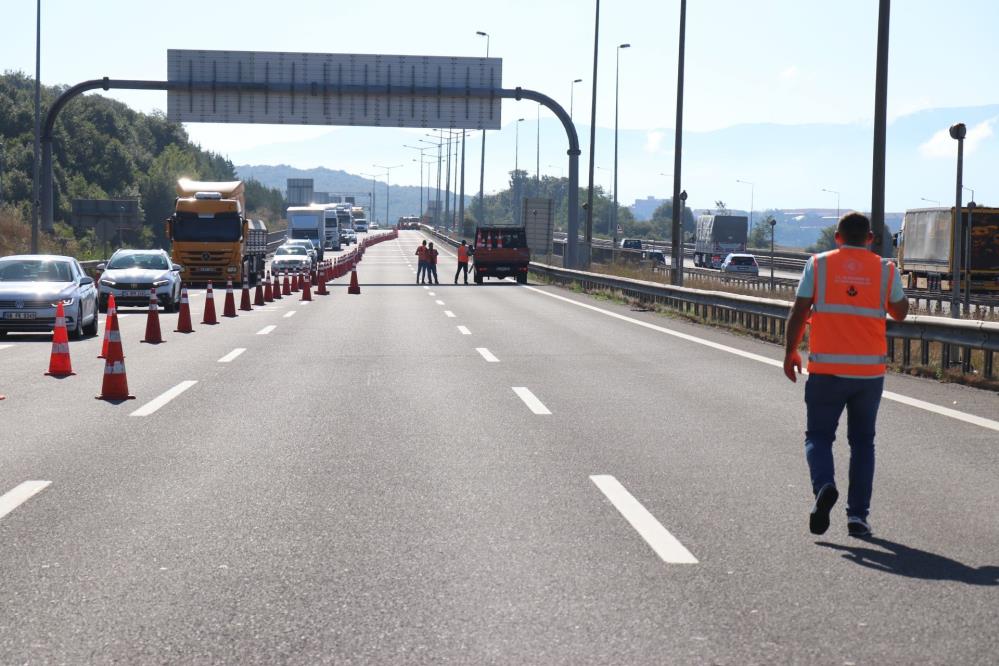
20, 494
156, 403
665, 545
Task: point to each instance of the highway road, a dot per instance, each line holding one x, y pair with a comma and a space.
475, 474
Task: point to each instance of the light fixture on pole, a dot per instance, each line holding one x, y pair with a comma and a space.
837, 199
752, 191
932, 201
388, 184
482, 168
617, 78
572, 95
516, 171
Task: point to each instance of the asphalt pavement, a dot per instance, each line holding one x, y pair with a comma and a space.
474, 474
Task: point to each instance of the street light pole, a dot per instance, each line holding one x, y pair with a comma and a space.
572, 95
35, 202
516, 172
593, 140
617, 78
958, 132
773, 230
752, 192
881, 246
837, 200
482, 168
677, 245
388, 184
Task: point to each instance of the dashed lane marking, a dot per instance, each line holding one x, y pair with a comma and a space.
464, 330
439, 302
266, 330
448, 313
888, 395
290, 314
20, 494
665, 545
231, 356
486, 354
5, 346
531, 401
156, 403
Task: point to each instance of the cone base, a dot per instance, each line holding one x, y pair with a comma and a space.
59, 374
153, 342
114, 398
177, 330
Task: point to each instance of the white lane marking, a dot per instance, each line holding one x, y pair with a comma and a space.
448, 313
464, 330
431, 294
290, 314
20, 494
426, 287
531, 400
266, 330
158, 402
439, 302
231, 356
888, 395
486, 354
305, 302
666, 546
5, 346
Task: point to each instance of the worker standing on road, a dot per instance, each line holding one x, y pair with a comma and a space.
462, 262
846, 292
421, 263
432, 264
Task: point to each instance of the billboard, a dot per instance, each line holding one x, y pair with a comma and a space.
333, 89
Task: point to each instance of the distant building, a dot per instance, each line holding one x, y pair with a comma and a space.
643, 209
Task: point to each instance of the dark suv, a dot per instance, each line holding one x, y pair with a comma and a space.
631, 244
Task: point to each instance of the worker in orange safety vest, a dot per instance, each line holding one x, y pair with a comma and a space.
843, 295
462, 262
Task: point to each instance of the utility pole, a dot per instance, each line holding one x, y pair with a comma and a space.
482, 168
35, 196
461, 198
593, 140
957, 132
677, 246
881, 246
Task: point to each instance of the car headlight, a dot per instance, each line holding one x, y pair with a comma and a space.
65, 301
108, 282
160, 283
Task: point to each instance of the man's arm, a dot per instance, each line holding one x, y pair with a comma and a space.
899, 309
898, 302
795, 332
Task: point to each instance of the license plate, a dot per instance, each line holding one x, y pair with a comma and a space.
502, 268
205, 270
18, 315
134, 293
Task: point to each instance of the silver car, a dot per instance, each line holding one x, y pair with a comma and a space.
32, 285
742, 264
130, 274
305, 243
290, 258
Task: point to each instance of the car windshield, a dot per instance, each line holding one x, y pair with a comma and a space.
155, 262
222, 228
293, 249
35, 270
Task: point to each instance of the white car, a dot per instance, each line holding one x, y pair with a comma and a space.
373, 225
31, 287
290, 259
741, 264
130, 274
307, 244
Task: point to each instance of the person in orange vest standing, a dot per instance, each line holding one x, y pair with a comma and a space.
421, 263
843, 295
432, 265
462, 262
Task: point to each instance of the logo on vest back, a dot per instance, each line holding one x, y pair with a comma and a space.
852, 291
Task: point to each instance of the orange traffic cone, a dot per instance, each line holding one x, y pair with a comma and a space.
115, 384
276, 291
268, 294
258, 294
59, 363
153, 335
306, 289
229, 309
244, 299
286, 289
323, 278
294, 282
184, 319
210, 307
354, 288
112, 311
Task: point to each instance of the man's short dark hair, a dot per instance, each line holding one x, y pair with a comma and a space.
854, 228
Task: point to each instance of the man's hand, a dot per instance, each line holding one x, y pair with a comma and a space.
792, 362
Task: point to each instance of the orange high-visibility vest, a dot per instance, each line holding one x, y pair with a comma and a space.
462, 254
848, 329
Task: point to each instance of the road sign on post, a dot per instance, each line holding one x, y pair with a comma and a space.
539, 222
333, 89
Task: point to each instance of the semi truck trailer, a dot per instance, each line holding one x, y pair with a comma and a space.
926, 249
717, 236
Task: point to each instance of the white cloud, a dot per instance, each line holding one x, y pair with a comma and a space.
790, 74
653, 141
940, 145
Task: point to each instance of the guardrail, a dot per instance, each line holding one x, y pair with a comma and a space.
968, 345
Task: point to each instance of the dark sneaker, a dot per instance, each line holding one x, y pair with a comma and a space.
825, 499
858, 527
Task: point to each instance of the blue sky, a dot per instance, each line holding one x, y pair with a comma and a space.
773, 61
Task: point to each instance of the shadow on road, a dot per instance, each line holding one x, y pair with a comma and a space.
914, 563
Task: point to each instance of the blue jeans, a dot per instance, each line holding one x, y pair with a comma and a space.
421, 271
825, 398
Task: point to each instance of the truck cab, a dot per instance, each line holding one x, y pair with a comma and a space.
500, 252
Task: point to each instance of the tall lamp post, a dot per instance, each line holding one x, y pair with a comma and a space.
752, 191
572, 95
516, 172
617, 78
482, 168
35, 197
373, 176
837, 199
593, 140
388, 184
773, 230
421, 175
957, 132
677, 247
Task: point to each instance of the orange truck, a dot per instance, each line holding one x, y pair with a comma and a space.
500, 252
210, 235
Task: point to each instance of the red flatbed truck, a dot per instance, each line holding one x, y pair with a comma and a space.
500, 252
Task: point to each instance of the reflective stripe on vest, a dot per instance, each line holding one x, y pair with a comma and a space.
848, 339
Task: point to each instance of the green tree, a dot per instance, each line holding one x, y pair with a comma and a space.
759, 236
826, 241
